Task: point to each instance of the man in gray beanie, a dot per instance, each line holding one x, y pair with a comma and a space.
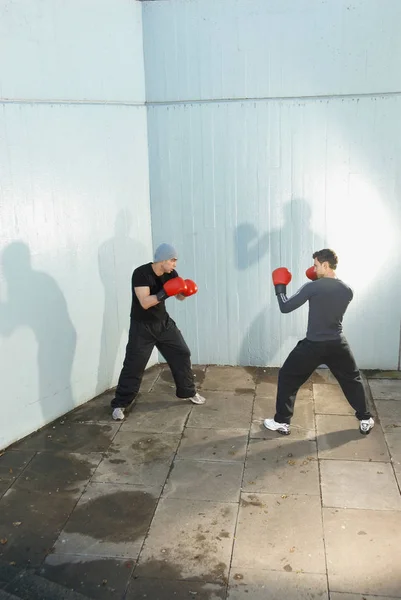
152, 326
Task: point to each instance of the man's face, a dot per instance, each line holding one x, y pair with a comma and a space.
320, 268
169, 265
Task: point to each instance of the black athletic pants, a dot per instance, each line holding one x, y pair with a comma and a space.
301, 363
142, 338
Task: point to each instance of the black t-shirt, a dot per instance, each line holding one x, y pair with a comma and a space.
145, 276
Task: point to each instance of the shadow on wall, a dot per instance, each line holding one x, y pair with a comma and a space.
35, 300
117, 259
290, 246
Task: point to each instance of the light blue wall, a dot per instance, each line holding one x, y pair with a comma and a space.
274, 131
74, 195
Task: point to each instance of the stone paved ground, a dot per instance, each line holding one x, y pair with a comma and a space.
201, 502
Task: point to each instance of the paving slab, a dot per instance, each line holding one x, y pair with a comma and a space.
12, 464
150, 377
356, 484
97, 410
323, 375
28, 586
162, 589
138, 458
97, 578
6, 596
393, 441
282, 466
338, 437
378, 374
279, 532
302, 424
30, 522
108, 521
204, 480
267, 389
165, 387
362, 548
184, 501
214, 444
236, 379
71, 437
342, 596
389, 412
157, 415
265, 405
223, 410
190, 538
59, 472
330, 400
385, 389
258, 584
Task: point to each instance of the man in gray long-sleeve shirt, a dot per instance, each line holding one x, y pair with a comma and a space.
325, 343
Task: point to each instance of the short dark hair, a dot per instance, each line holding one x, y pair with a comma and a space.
327, 255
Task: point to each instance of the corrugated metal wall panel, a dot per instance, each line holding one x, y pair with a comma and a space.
208, 49
244, 187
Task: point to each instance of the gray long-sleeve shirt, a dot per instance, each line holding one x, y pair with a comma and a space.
328, 301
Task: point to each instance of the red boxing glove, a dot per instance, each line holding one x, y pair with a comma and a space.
172, 287
311, 273
191, 289
281, 278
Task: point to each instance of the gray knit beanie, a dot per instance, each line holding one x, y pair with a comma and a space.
165, 252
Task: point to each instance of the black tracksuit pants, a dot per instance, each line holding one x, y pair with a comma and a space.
142, 338
301, 363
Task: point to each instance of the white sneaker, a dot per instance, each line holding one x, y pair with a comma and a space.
282, 428
118, 414
366, 425
197, 399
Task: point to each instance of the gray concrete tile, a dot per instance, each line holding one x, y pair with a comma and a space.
198, 371
265, 406
357, 484
267, 389
97, 410
223, 410
165, 386
30, 522
237, 379
204, 480
282, 466
71, 437
95, 577
162, 589
190, 538
330, 400
108, 521
159, 416
150, 377
302, 424
59, 472
385, 389
12, 464
389, 412
362, 548
323, 375
279, 532
260, 584
378, 374
393, 440
138, 458
338, 437
342, 596
29, 586
214, 444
